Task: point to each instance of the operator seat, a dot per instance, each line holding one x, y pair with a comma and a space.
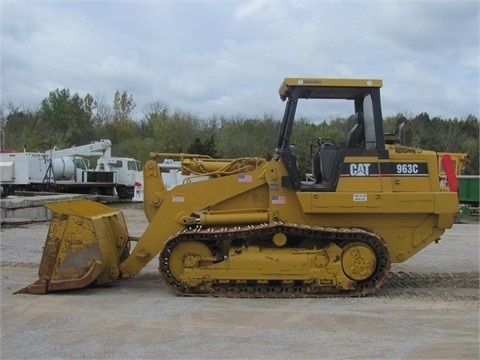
326, 162
356, 136
328, 157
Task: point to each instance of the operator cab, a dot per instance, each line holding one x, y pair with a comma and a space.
364, 138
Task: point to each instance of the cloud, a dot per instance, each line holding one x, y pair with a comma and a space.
228, 58
248, 8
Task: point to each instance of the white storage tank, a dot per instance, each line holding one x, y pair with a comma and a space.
64, 168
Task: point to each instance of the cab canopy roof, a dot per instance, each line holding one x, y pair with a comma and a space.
318, 88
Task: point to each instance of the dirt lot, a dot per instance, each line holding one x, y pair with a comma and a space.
428, 309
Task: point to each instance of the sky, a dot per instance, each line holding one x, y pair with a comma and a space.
228, 58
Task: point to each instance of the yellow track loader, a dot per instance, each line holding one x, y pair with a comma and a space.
253, 227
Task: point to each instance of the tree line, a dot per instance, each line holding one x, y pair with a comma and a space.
63, 120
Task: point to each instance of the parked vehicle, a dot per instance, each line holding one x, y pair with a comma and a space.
67, 171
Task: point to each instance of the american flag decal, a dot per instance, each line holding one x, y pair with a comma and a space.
245, 178
279, 200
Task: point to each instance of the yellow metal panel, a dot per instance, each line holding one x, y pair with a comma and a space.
458, 159
306, 82
366, 202
234, 217
255, 198
446, 202
81, 207
408, 202
359, 184
345, 202
415, 197
404, 184
305, 201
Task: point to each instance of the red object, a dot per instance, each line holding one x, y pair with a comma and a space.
137, 184
450, 172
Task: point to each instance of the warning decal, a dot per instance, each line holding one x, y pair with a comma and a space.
360, 197
176, 197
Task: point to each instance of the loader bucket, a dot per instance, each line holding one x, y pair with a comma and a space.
86, 242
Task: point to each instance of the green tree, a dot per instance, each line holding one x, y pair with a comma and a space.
239, 137
418, 132
123, 106
205, 148
471, 145
170, 132
304, 138
121, 128
64, 121
17, 130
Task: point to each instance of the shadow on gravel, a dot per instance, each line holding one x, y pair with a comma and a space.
434, 286
461, 286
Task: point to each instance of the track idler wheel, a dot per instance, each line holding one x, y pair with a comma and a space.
358, 261
188, 255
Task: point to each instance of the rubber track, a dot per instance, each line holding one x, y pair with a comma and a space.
275, 289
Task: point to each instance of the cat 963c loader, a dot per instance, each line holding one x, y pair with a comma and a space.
254, 227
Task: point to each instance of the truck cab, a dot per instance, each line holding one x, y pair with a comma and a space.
366, 137
126, 172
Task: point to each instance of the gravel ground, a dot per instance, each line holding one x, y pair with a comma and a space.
428, 309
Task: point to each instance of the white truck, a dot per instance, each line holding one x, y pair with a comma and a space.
67, 171
171, 176
126, 172
171, 171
